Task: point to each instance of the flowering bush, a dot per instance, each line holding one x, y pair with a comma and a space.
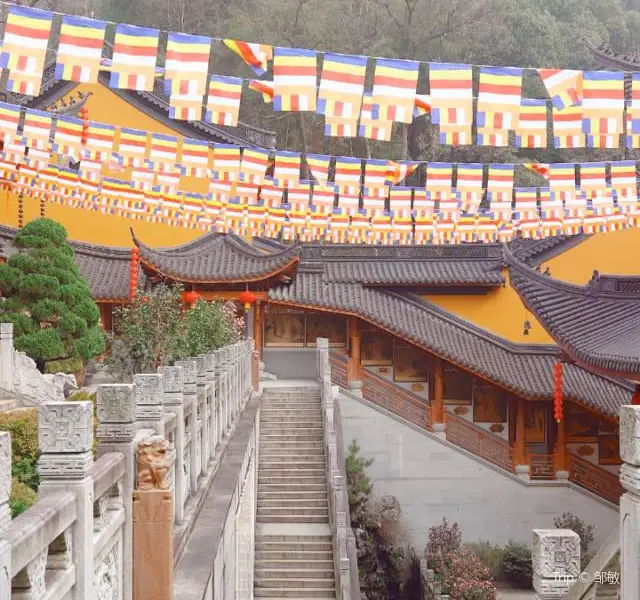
444, 540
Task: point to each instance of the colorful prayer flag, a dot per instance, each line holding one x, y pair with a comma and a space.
163, 152
36, 129
347, 174
342, 86
340, 127
257, 56
100, 139
223, 100
24, 49
397, 172
633, 113
9, 120
564, 87
195, 157
375, 178
527, 215
132, 147
68, 136
423, 205
394, 89
319, 167
422, 106
531, 131
286, 171
562, 181
135, 51
500, 184
80, 49
567, 127
226, 162
469, 186
371, 127
254, 165
499, 98
451, 88
294, 79
439, 183
400, 198
323, 198
603, 108
624, 183
266, 88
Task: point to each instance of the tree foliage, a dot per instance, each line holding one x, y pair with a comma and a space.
46, 298
156, 330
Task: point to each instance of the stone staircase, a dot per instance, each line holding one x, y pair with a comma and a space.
294, 549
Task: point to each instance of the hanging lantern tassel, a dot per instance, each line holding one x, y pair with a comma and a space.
248, 299
558, 411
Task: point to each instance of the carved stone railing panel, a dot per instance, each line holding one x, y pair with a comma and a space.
596, 480
399, 401
480, 442
556, 562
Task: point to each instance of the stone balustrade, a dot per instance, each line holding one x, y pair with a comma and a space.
344, 543
76, 541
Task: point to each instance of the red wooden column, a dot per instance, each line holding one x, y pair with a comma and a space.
354, 332
437, 402
258, 323
635, 400
521, 434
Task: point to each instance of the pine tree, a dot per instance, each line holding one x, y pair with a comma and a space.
46, 298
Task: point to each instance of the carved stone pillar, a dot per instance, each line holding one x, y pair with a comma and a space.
116, 433
149, 395
556, 562
437, 402
66, 441
5, 514
172, 384
522, 468
6, 356
190, 403
152, 524
201, 385
630, 501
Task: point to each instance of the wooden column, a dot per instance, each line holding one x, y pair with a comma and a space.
521, 433
437, 402
258, 322
560, 454
354, 332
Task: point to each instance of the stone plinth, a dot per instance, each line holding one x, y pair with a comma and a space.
153, 545
556, 562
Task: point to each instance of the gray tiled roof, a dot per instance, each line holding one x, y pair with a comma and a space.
217, 257
597, 325
105, 268
524, 370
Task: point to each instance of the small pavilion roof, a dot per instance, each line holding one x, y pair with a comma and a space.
217, 258
597, 325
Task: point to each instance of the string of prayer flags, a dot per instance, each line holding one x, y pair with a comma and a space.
469, 186
319, 167
563, 86
266, 88
394, 89
294, 80
99, 141
132, 147
186, 74
348, 171
371, 127
341, 88
9, 120
163, 152
80, 49
499, 98
36, 129
286, 170
451, 88
603, 108
633, 114
195, 157
223, 100
135, 51
256, 56
567, 127
531, 131
226, 162
24, 49
67, 139
254, 165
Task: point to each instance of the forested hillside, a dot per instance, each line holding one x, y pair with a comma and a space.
527, 33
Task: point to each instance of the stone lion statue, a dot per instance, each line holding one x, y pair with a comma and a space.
152, 465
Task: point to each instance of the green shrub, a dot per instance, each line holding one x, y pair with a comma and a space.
576, 524
66, 365
517, 565
22, 497
491, 556
23, 426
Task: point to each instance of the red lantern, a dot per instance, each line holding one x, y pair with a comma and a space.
190, 298
558, 409
248, 299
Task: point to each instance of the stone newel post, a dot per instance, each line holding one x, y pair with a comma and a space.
556, 562
6, 355
201, 384
630, 501
190, 395
66, 440
149, 396
5, 514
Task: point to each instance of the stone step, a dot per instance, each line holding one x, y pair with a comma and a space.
291, 487
268, 426
265, 574
292, 583
289, 474
307, 519
293, 398
304, 416
294, 539
301, 494
291, 556
294, 502
293, 446
295, 431
291, 479
287, 511
294, 593
277, 460
292, 437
